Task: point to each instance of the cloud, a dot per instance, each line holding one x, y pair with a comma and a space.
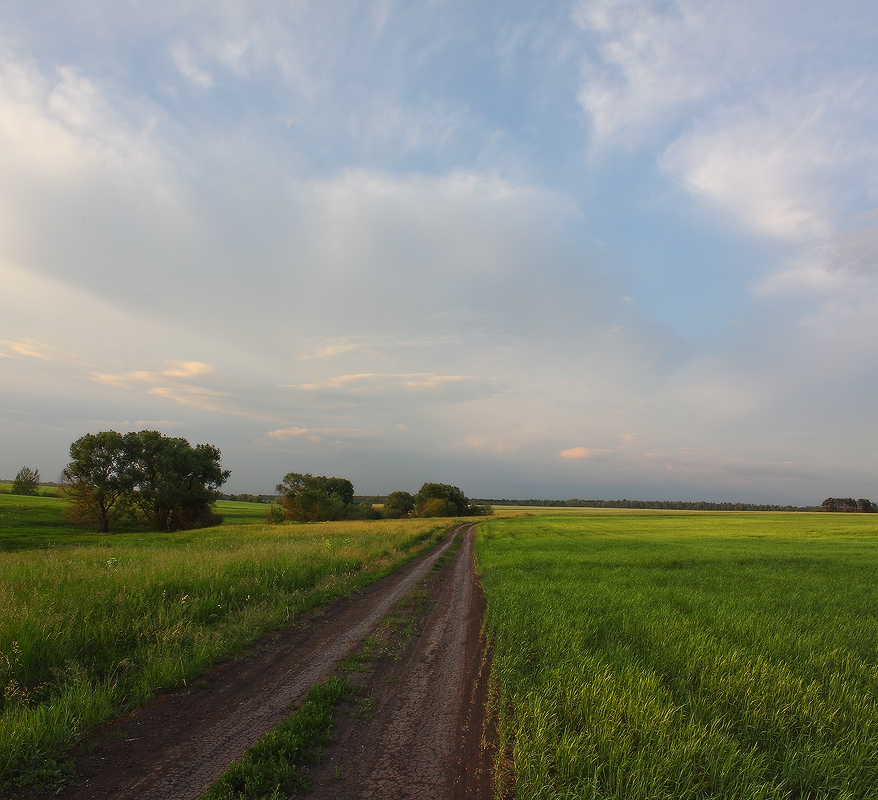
852, 252
187, 63
653, 59
775, 168
369, 383
186, 369
45, 352
179, 369
579, 453
314, 435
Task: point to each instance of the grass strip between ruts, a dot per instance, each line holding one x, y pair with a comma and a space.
273, 766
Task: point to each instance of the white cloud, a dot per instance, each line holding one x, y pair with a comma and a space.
656, 58
188, 64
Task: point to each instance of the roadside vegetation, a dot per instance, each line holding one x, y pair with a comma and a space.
92, 630
685, 655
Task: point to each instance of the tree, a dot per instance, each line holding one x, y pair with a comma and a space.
441, 500
95, 478
399, 503
172, 484
26, 481
847, 505
367, 511
161, 481
312, 498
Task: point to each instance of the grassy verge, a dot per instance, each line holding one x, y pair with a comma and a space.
686, 655
89, 632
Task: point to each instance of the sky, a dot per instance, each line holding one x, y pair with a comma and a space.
595, 249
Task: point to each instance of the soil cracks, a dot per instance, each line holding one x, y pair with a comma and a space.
425, 735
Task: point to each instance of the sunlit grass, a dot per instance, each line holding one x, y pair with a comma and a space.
88, 632
685, 655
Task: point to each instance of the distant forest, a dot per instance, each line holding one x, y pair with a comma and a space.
830, 504
672, 505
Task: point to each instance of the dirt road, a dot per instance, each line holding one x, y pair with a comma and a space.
425, 739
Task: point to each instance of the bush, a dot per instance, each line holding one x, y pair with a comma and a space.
437, 507
275, 515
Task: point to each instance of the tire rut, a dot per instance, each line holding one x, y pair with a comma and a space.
428, 737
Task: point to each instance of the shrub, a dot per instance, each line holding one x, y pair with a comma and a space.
275, 515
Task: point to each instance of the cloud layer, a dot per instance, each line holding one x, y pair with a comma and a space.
605, 249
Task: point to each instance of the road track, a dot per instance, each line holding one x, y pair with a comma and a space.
426, 730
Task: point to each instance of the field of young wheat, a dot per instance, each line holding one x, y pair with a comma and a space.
685, 655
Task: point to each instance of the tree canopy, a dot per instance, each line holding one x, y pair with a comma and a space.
444, 500
312, 498
849, 505
400, 503
155, 480
26, 481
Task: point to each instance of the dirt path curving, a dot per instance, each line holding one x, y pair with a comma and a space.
426, 737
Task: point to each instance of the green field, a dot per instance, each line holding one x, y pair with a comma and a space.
32, 522
93, 625
685, 655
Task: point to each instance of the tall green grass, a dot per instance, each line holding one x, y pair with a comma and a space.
686, 655
89, 632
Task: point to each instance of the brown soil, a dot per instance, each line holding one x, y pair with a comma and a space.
418, 726
428, 736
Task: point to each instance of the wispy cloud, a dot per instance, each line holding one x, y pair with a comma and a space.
376, 382
315, 435
579, 453
28, 348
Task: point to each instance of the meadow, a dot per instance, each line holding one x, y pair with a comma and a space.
27, 523
94, 625
685, 655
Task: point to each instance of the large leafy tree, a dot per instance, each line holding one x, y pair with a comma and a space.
162, 480
400, 503
310, 498
172, 484
96, 478
444, 500
441, 500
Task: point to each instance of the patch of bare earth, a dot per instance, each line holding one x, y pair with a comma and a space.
424, 734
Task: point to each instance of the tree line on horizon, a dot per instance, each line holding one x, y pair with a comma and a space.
319, 498
668, 505
151, 480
